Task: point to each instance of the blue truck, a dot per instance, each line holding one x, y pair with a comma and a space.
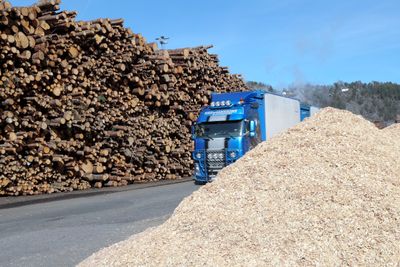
234, 123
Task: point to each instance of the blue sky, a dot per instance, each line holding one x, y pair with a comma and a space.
277, 42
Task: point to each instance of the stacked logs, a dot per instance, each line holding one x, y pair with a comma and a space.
91, 104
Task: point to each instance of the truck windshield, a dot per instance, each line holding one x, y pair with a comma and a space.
219, 129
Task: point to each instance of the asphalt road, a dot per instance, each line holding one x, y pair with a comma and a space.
63, 232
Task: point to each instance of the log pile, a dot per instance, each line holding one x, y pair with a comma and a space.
91, 104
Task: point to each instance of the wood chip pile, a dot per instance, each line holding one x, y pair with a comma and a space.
324, 193
393, 129
90, 103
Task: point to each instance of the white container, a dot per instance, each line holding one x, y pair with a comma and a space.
281, 113
313, 110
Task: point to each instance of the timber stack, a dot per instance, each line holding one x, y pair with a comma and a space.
91, 104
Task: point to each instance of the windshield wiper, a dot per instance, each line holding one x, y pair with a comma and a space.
209, 137
230, 136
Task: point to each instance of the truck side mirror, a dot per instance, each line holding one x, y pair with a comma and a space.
252, 127
193, 132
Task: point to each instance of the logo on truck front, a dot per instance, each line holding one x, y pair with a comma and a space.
221, 112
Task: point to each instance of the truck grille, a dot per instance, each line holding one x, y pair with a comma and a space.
215, 162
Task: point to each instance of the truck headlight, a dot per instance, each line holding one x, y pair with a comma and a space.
198, 155
232, 154
217, 104
222, 103
220, 156
197, 170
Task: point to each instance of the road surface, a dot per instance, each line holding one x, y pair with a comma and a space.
63, 232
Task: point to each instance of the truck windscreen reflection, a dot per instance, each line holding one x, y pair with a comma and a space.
219, 129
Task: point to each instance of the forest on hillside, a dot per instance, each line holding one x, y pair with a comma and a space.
376, 101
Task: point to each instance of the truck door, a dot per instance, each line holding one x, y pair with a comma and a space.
254, 141
248, 141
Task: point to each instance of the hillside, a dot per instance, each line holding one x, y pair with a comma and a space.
376, 101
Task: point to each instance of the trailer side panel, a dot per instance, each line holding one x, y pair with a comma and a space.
281, 113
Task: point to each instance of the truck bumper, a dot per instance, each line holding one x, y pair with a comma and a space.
207, 168
200, 174
200, 180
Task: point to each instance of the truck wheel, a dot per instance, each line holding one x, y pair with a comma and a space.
199, 183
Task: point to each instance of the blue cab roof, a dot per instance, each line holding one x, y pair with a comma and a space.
235, 97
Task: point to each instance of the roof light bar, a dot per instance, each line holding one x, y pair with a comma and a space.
222, 103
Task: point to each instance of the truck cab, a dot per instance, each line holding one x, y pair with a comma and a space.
225, 130
234, 123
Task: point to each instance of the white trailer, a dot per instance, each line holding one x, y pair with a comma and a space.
313, 110
281, 113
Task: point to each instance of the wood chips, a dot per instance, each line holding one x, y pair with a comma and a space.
326, 192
